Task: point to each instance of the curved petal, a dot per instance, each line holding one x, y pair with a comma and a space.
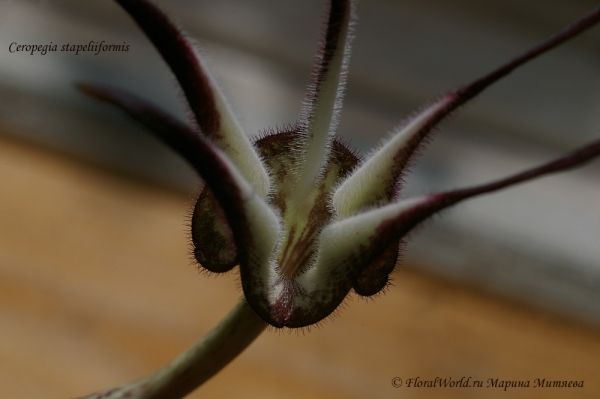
375, 180
255, 226
352, 243
212, 113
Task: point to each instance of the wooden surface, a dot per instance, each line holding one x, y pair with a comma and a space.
97, 288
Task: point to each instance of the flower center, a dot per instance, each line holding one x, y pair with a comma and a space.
303, 214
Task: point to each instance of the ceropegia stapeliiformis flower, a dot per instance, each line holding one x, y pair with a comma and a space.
305, 218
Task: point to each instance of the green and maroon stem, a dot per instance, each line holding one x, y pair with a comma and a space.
199, 363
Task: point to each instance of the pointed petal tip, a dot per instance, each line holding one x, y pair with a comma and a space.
325, 92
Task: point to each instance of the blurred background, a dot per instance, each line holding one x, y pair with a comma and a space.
93, 250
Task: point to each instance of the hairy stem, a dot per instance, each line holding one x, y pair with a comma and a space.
199, 363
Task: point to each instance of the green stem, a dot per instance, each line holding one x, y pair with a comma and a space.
199, 363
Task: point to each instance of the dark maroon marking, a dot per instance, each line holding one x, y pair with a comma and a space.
180, 56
